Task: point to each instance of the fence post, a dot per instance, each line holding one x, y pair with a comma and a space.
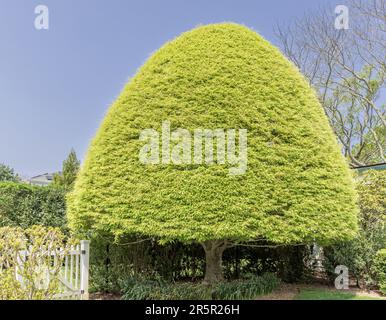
84, 268
19, 267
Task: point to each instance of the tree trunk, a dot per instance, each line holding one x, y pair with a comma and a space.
213, 255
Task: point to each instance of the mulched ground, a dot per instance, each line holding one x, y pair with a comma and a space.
104, 296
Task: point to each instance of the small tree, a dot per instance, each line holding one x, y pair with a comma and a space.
69, 172
8, 174
296, 188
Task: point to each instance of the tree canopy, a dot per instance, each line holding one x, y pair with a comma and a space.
70, 169
297, 186
8, 174
347, 68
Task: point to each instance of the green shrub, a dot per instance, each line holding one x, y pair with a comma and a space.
358, 254
380, 269
22, 205
155, 289
111, 262
290, 263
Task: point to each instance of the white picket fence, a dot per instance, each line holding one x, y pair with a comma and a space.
74, 272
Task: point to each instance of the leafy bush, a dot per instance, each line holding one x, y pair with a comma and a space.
358, 254
22, 205
380, 269
111, 262
27, 269
290, 263
157, 289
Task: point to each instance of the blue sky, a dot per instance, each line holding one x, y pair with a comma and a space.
56, 84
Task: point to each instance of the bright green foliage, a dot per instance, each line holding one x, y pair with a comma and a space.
297, 187
380, 269
371, 188
69, 172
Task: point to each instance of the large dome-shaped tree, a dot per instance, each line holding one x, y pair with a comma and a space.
295, 186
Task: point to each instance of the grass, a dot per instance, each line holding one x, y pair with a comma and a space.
323, 294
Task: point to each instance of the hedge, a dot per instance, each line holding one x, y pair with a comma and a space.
23, 205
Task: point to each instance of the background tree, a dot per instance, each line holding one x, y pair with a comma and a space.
348, 70
70, 168
297, 188
7, 173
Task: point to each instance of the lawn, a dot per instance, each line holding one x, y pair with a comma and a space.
325, 294
318, 292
